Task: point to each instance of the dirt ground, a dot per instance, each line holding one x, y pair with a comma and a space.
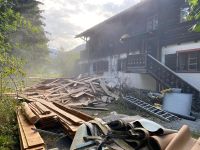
123, 108
119, 109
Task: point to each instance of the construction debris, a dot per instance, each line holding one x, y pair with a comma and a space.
69, 118
79, 92
132, 133
55, 102
46, 114
29, 139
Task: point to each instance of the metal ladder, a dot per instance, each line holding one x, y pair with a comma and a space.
166, 116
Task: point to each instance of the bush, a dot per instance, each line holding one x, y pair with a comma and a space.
8, 124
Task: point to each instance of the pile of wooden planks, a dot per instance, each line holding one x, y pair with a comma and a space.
68, 118
52, 101
46, 115
76, 93
29, 139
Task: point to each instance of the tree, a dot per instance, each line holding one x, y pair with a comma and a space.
194, 14
13, 24
22, 39
9, 65
32, 45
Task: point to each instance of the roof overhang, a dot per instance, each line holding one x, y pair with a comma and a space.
88, 32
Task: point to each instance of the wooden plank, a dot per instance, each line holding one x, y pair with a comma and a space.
93, 88
82, 115
60, 88
51, 115
90, 95
34, 109
37, 148
77, 94
73, 91
29, 114
23, 141
103, 86
41, 107
51, 83
73, 81
32, 138
62, 113
93, 79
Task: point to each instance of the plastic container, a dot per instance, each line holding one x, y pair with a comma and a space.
178, 103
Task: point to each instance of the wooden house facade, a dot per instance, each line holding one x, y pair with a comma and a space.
149, 44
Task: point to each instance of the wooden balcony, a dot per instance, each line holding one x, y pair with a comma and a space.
143, 63
137, 63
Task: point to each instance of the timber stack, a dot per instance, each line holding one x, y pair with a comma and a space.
46, 115
89, 92
53, 102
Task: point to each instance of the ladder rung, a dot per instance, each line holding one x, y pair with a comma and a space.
151, 109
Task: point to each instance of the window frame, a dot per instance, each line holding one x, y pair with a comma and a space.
152, 23
186, 53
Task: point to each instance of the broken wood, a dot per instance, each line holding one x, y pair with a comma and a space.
71, 91
103, 85
29, 114
93, 88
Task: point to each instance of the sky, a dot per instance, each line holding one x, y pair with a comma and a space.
66, 18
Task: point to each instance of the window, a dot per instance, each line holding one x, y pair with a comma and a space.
184, 12
152, 23
189, 61
121, 65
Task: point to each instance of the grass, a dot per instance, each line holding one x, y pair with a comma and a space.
8, 124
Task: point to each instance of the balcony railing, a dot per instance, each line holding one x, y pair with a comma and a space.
137, 63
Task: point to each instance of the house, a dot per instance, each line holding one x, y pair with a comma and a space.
148, 46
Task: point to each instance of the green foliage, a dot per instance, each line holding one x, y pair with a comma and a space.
22, 41
16, 32
194, 14
8, 127
30, 44
10, 66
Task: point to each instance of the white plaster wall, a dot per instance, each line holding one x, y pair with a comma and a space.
172, 49
132, 80
192, 78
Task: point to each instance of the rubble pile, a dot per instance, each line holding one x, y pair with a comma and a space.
53, 103
132, 133
76, 93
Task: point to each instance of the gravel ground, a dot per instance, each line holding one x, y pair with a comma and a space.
122, 108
